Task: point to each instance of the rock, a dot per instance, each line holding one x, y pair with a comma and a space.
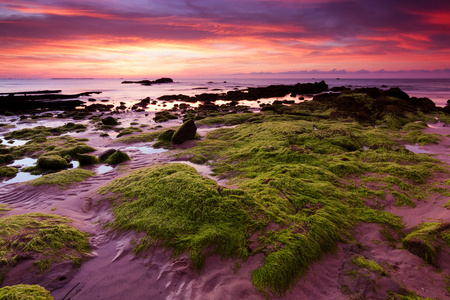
186, 132
52, 162
106, 154
396, 93
117, 158
110, 121
87, 159
166, 136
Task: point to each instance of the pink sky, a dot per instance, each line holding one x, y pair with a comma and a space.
153, 38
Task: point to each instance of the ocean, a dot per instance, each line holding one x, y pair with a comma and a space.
115, 92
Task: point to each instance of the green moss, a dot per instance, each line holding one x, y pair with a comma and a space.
173, 204
62, 146
129, 130
415, 126
24, 292
164, 116
45, 238
110, 121
63, 178
447, 205
6, 171
141, 137
52, 162
408, 296
423, 240
42, 131
117, 158
4, 158
447, 283
369, 264
86, 159
291, 178
421, 138
402, 200
228, 119
165, 139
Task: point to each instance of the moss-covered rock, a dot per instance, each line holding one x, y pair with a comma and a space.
4, 158
87, 159
117, 158
6, 171
110, 121
24, 292
52, 162
44, 238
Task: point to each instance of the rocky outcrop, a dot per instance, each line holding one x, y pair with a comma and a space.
48, 99
149, 82
254, 93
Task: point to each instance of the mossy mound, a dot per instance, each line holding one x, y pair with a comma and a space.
110, 121
4, 158
425, 240
6, 171
117, 158
45, 238
24, 292
164, 139
52, 162
86, 159
185, 211
63, 178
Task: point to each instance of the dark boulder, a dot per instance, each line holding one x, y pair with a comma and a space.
446, 109
186, 132
424, 104
396, 93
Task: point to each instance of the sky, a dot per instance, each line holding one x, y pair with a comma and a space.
201, 38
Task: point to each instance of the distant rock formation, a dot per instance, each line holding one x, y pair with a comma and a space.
254, 93
150, 82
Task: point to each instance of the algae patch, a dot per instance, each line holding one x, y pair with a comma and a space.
63, 178
45, 238
184, 211
24, 292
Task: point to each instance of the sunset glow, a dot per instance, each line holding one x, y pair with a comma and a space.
149, 38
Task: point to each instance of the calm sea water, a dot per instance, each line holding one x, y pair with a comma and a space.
437, 90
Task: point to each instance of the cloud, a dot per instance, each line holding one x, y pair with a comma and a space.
263, 34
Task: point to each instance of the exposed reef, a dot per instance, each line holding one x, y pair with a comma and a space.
49, 99
254, 93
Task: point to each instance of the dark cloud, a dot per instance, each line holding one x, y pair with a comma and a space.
189, 19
